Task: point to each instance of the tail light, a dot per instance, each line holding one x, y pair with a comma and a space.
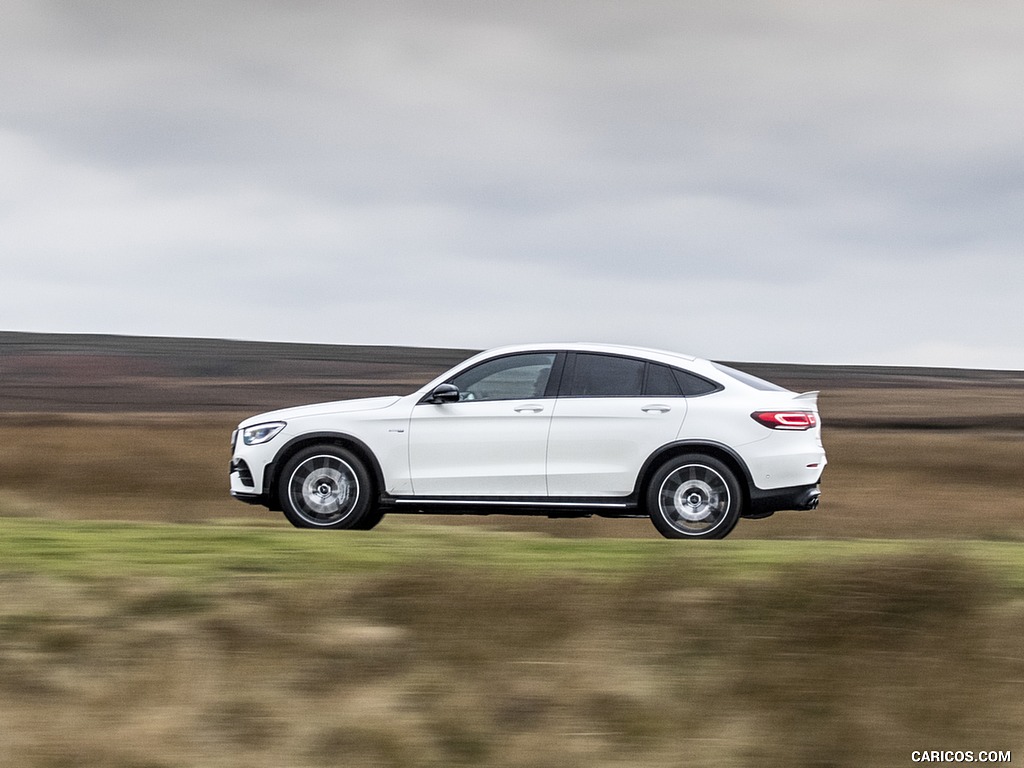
795, 421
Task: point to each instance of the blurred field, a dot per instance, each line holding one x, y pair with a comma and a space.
130, 645
880, 483
133, 428
149, 621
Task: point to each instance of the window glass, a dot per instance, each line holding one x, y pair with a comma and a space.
661, 382
607, 376
692, 385
516, 377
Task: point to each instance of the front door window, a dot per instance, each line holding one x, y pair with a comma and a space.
517, 377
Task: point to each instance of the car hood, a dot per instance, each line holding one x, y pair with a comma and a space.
320, 409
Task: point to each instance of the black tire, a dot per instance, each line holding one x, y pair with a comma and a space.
326, 486
370, 520
694, 497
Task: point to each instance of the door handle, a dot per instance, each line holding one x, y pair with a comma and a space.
529, 408
656, 408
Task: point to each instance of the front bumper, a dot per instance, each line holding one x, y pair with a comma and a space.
249, 468
248, 498
243, 485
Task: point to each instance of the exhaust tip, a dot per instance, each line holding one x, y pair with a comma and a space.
809, 500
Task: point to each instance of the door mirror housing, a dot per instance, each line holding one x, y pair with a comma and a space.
444, 393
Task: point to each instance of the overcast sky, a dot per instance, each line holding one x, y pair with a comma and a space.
776, 181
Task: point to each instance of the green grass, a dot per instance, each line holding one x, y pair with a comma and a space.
244, 644
79, 549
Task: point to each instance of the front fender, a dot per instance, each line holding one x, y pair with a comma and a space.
296, 444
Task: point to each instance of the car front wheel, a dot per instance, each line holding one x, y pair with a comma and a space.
694, 497
325, 486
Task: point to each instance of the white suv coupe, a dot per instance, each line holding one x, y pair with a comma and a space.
569, 430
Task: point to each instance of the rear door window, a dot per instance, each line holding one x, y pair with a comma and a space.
606, 376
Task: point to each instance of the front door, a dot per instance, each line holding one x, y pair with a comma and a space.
493, 441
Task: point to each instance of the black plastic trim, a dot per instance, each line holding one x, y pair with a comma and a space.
513, 505
555, 378
797, 497
244, 473
247, 498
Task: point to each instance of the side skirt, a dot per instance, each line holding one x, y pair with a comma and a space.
617, 507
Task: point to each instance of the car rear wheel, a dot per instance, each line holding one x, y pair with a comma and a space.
326, 486
694, 497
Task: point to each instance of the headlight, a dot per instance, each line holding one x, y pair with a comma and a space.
261, 433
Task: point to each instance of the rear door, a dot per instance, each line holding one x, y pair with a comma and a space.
612, 413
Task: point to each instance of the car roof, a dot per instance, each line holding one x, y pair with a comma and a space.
697, 365
660, 355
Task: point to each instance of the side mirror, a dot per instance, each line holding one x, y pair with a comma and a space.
444, 393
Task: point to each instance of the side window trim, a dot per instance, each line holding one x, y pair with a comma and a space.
568, 371
555, 378
567, 361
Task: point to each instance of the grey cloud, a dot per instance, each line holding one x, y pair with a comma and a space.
689, 150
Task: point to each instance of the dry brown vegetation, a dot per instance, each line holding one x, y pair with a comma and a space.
694, 660
881, 483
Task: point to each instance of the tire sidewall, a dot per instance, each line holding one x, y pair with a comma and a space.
364, 488
728, 522
370, 520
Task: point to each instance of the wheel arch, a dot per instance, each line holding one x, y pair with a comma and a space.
723, 453
360, 449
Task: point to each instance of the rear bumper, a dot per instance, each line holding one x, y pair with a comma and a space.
800, 497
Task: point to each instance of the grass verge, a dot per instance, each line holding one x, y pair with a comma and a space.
99, 549
128, 645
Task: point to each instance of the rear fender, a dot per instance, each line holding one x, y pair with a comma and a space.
718, 450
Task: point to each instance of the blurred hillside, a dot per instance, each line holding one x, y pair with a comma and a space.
913, 452
68, 373
95, 374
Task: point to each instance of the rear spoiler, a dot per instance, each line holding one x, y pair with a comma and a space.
812, 396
